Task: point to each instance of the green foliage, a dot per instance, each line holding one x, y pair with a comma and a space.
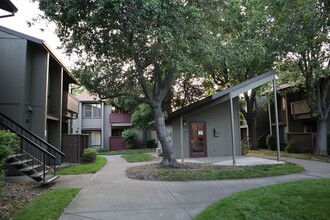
291, 147
48, 206
293, 155
244, 147
129, 137
152, 143
142, 116
8, 143
89, 155
308, 199
271, 142
84, 168
103, 150
130, 151
133, 158
215, 172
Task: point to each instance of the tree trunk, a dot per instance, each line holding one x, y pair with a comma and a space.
252, 126
164, 138
321, 137
250, 115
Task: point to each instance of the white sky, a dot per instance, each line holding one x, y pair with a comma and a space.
26, 11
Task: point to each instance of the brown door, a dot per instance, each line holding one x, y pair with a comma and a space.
197, 139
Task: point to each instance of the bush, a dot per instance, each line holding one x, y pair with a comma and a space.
103, 150
129, 137
151, 143
89, 155
244, 147
8, 143
271, 142
291, 147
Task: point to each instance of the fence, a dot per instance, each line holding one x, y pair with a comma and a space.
73, 146
305, 142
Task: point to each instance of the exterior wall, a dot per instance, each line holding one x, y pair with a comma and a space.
32, 86
216, 117
107, 125
13, 53
103, 124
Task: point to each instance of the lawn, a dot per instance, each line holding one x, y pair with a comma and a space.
307, 199
133, 158
293, 155
48, 206
123, 152
193, 171
83, 168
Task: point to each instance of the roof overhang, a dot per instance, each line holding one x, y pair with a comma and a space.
7, 6
226, 94
45, 45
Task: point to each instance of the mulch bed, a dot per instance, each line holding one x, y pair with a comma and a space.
16, 195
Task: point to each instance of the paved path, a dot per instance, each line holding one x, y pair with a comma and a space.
109, 194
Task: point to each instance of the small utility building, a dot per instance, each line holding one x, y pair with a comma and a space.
211, 127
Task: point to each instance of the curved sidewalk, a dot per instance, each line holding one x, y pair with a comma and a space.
109, 194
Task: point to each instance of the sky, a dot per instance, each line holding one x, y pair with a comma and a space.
27, 10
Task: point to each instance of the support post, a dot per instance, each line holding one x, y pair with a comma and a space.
270, 119
232, 130
276, 121
181, 139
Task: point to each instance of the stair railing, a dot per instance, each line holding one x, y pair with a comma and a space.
35, 146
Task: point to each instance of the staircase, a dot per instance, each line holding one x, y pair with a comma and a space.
261, 133
36, 158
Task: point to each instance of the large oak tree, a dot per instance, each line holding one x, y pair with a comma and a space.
301, 30
132, 48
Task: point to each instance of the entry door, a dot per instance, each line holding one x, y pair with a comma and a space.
197, 139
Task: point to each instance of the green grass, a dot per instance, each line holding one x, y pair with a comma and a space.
133, 158
83, 168
48, 206
293, 155
123, 152
307, 199
211, 172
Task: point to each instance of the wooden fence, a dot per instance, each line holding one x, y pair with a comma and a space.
116, 143
73, 146
305, 142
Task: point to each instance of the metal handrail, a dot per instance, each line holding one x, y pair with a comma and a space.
32, 134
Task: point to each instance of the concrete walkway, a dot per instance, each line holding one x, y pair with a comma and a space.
109, 194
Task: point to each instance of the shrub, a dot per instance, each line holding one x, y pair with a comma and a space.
291, 147
129, 137
151, 143
244, 147
103, 150
271, 142
89, 155
8, 143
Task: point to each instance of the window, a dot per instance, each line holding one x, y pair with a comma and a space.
92, 110
116, 132
94, 137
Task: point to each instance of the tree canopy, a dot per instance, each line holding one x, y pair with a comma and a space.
132, 48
